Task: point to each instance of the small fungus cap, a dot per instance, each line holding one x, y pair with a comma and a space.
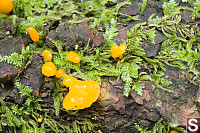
33, 33
117, 51
69, 81
122, 49
73, 57
47, 55
39, 119
81, 95
6, 6
114, 51
49, 69
60, 73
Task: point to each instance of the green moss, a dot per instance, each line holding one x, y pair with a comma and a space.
91, 68
178, 50
161, 127
17, 59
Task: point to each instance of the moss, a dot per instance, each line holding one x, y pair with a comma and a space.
17, 59
179, 47
90, 67
161, 126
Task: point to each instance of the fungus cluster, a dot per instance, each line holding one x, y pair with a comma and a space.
6, 6
48, 68
81, 93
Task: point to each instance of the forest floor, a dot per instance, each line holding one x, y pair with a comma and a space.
153, 88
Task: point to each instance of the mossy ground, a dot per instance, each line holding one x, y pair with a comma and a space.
158, 39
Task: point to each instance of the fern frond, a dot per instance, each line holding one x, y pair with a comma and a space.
128, 71
154, 21
57, 100
134, 30
138, 88
134, 46
170, 9
111, 32
14, 59
94, 75
25, 91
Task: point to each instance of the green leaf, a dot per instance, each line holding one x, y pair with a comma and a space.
151, 34
134, 47
15, 58
75, 127
127, 86
130, 69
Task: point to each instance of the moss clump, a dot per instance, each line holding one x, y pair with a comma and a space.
179, 50
162, 127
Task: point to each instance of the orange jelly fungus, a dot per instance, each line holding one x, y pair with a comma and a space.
39, 119
68, 81
33, 33
47, 55
173, 131
81, 94
6, 6
73, 57
60, 73
49, 69
117, 51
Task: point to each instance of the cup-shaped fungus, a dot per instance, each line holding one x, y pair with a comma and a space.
60, 73
69, 81
47, 55
73, 57
81, 94
39, 119
117, 51
49, 69
6, 6
33, 33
